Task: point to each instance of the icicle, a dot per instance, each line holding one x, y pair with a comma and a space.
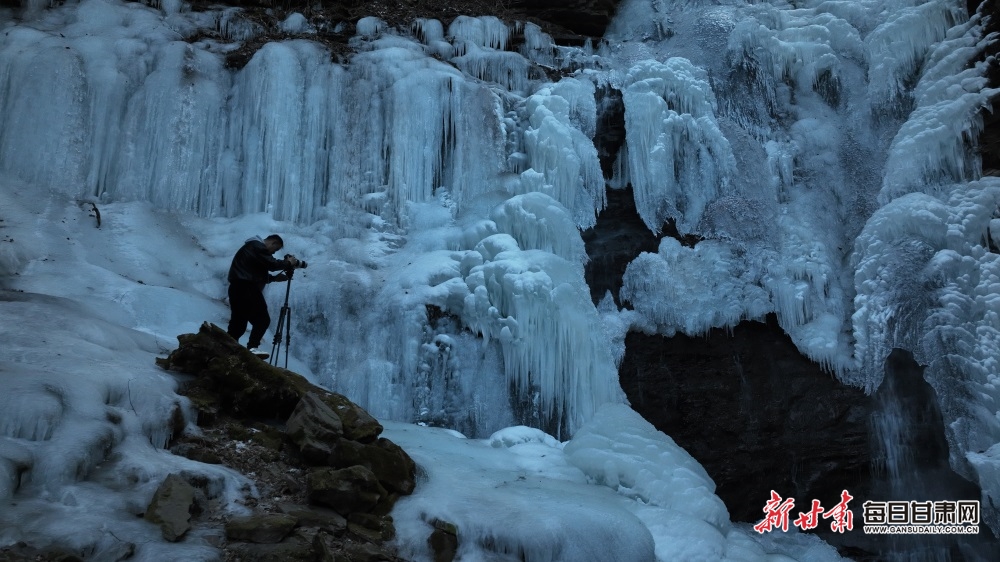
278, 120
679, 160
235, 26
428, 30
803, 46
524, 297
538, 222
565, 156
431, 33
897, 47
486, 31
370, 27
508, 69
38, 144
538, 46
930, 148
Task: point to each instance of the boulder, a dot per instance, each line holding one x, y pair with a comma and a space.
265, 528
276, 412
444, 541
359, 425
171, 506
346, 490
326, 520
394, 469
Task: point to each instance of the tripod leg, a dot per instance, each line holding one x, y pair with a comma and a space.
276, 343
284, 321
288, 333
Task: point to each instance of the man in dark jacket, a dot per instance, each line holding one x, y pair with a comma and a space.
248, 275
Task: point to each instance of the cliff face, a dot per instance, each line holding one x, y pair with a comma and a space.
754, 412
569, 22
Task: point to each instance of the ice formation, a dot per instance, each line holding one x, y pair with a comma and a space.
927, 279
676, 158
932, 146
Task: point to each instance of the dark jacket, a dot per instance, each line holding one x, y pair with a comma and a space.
252, 263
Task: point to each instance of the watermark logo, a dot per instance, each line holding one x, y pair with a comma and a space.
777, 514
921, 517
880, 517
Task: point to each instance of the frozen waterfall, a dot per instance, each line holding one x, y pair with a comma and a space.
438, 182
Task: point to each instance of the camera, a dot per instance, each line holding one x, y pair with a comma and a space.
300, 265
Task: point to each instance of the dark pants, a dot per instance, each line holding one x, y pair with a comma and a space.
248, 305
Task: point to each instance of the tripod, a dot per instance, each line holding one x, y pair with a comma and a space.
284, 323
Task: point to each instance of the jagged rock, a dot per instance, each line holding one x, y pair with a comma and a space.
205, 402
171, 507
298, 546
197, 351
359, 425
260, 528
346, 490
326, 520
391, 465
617, 238
326, 546
443, 541
315, 428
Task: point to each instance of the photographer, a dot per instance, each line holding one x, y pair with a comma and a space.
248, 274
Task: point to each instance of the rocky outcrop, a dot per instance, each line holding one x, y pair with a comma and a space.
316, 451
580, 18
